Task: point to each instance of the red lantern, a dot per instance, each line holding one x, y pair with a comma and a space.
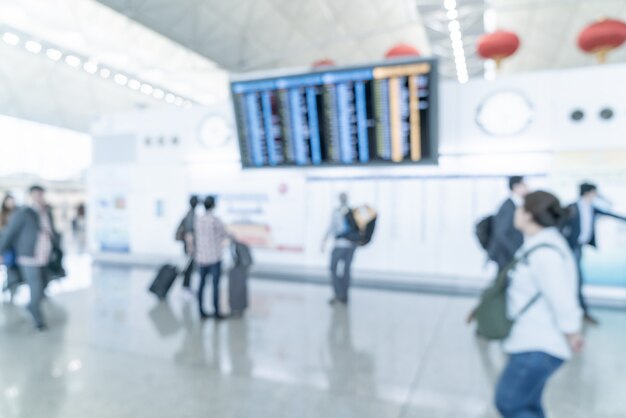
326, 62
498, 45
601, 37
402, 50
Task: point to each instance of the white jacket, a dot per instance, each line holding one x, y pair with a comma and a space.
552, 274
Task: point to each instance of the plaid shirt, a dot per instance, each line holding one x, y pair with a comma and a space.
209, 234
43, 246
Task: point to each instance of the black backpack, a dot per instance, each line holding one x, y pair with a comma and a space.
354, 234
484, 231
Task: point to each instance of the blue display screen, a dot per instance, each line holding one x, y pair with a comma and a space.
355, 116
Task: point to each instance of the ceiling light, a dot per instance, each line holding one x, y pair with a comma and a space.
72, 61
11, 38
134, 84
170, 98
120, 79
457, 44
158, 94
454, 26
146, 89
178, 101
456, 36
188, 104
452, 14
32, 46
490, 20
449, 4
91, 67
105, 73
54, 54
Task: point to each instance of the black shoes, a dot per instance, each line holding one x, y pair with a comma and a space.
337, 301
591, 320
217, 317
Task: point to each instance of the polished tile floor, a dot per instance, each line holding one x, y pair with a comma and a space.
113, 351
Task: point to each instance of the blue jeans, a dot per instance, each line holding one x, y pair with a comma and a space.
216, 271
521, 385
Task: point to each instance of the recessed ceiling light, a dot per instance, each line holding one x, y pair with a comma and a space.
134, 84
170, 98
90, 67
452, 14
54, 54
32, 46
72, 61
456, 36
454, 26
105, 73
158, 94
179, 101
449, 4
120, 79
146, 88
11, 38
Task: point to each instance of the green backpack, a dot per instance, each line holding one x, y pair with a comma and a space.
491, 312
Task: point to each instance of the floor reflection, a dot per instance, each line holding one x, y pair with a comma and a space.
350, 369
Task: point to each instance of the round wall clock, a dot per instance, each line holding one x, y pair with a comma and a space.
505, 113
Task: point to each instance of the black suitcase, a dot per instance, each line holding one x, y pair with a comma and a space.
238, 289
163, 282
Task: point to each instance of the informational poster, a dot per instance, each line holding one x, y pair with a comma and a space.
605, 265
268, 214
112, 220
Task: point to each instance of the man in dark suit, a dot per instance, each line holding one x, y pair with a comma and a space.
505, 239
31, 234
580, 230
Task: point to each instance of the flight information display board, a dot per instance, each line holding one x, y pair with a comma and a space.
379, 114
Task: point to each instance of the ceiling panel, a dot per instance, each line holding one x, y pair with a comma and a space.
249, 35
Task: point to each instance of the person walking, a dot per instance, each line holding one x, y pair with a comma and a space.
206, 244
342, 254
32, 235
8, 257
580, 230
506, 240
186, 227
542, 297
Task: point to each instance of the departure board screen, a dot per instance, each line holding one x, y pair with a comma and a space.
378, 114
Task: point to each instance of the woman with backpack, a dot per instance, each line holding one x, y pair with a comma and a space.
541, 299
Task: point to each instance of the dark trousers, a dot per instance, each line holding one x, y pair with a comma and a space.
216, 271
520, 389
35, 278
187, 274
341, 257
578, 255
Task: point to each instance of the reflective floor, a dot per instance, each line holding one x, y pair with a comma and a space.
113, 351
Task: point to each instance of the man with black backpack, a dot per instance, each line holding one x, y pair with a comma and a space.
505, 240
343, 251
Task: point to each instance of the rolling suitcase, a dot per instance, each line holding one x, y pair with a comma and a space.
238, 289
163, 282
238, 278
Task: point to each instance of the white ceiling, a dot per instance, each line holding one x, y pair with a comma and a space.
549, 31
244, 35
186, 46
34, 87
